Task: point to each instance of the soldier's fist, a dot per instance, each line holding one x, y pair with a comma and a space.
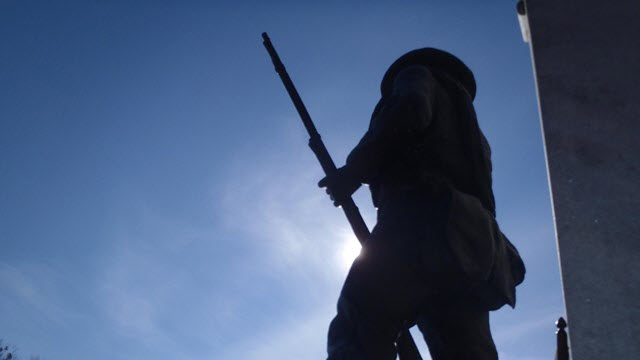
340, 185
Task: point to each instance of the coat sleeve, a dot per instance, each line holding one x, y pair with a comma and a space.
396, 124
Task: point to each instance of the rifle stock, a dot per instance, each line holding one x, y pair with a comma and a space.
407, 348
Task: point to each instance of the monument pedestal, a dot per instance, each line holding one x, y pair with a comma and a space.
587, 65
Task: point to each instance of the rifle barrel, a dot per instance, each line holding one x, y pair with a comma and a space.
315, 142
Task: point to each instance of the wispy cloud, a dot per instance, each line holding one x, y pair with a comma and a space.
294, 234
37, 286
278, 206
303, 337
147, 288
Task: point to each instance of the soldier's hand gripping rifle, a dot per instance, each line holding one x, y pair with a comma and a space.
406, 346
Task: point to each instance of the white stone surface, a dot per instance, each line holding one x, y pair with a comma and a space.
587, 64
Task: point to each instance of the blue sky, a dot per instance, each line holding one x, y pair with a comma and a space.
157, 197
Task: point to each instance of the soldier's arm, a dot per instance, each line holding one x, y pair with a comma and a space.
405, 115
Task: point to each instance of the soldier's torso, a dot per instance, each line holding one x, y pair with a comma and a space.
451, 152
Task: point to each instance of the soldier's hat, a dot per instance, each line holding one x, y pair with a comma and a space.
434, 59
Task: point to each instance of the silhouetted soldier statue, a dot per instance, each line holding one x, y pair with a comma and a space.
436, 256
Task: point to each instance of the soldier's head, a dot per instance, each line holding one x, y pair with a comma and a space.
438, 61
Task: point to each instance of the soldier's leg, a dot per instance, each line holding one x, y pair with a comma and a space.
458, 332
405, 262
351, 338
381, 292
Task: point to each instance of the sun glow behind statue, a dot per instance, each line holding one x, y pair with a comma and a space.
349, 249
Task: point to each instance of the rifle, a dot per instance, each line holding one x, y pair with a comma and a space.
406, 347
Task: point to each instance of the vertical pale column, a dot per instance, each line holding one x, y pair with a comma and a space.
587, 65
